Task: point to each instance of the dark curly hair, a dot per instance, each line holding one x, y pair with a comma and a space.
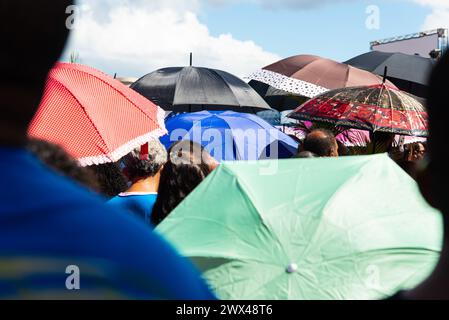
187, 166
57, 159
139, 166
110, 178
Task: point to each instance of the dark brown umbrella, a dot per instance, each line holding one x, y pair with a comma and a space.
309, 76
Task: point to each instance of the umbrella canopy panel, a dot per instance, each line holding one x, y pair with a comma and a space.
408, 72
307, 232
323, 72
194, 89
230, 136
277, 99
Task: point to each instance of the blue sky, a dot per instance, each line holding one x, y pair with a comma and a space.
336, 31
135, 37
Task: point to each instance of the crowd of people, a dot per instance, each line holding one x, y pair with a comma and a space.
322, 143
50, 208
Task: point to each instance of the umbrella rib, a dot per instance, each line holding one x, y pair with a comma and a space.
408, 115
177, 81
374, 251
336, 97
391, 109
377, 109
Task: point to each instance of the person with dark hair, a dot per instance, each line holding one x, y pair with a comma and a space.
433, 179
415, 152
321, 142
142, 167
187, 166
56, 158
110, 179
58, 240
343, 150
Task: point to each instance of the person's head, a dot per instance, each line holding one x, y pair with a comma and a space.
187, 166
306, 155
321, 142
110, 178
145, 161
34, 34
415, 152
57, 159
434, 178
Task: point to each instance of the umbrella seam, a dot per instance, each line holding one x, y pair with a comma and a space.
228, 86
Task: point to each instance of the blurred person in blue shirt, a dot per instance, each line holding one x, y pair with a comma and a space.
58, 240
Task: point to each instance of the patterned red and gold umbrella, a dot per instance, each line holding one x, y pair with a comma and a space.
94, 117
377, 108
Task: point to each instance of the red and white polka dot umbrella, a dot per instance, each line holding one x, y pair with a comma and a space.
94, 117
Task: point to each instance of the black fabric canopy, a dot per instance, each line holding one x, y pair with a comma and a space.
191, 89
277, 99
408, 72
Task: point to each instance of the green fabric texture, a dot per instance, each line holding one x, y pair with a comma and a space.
347, 228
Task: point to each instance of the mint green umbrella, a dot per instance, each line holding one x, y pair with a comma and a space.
349, 228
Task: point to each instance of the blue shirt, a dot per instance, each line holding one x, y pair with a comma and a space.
48, 224
141, 204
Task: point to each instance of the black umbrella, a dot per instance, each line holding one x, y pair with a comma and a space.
409, 73
191, 89
278, 99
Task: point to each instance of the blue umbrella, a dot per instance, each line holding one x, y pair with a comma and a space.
230, 136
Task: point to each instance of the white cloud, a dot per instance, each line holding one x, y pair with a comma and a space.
134, 37
439, 17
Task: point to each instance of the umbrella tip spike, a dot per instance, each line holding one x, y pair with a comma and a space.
385, 75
